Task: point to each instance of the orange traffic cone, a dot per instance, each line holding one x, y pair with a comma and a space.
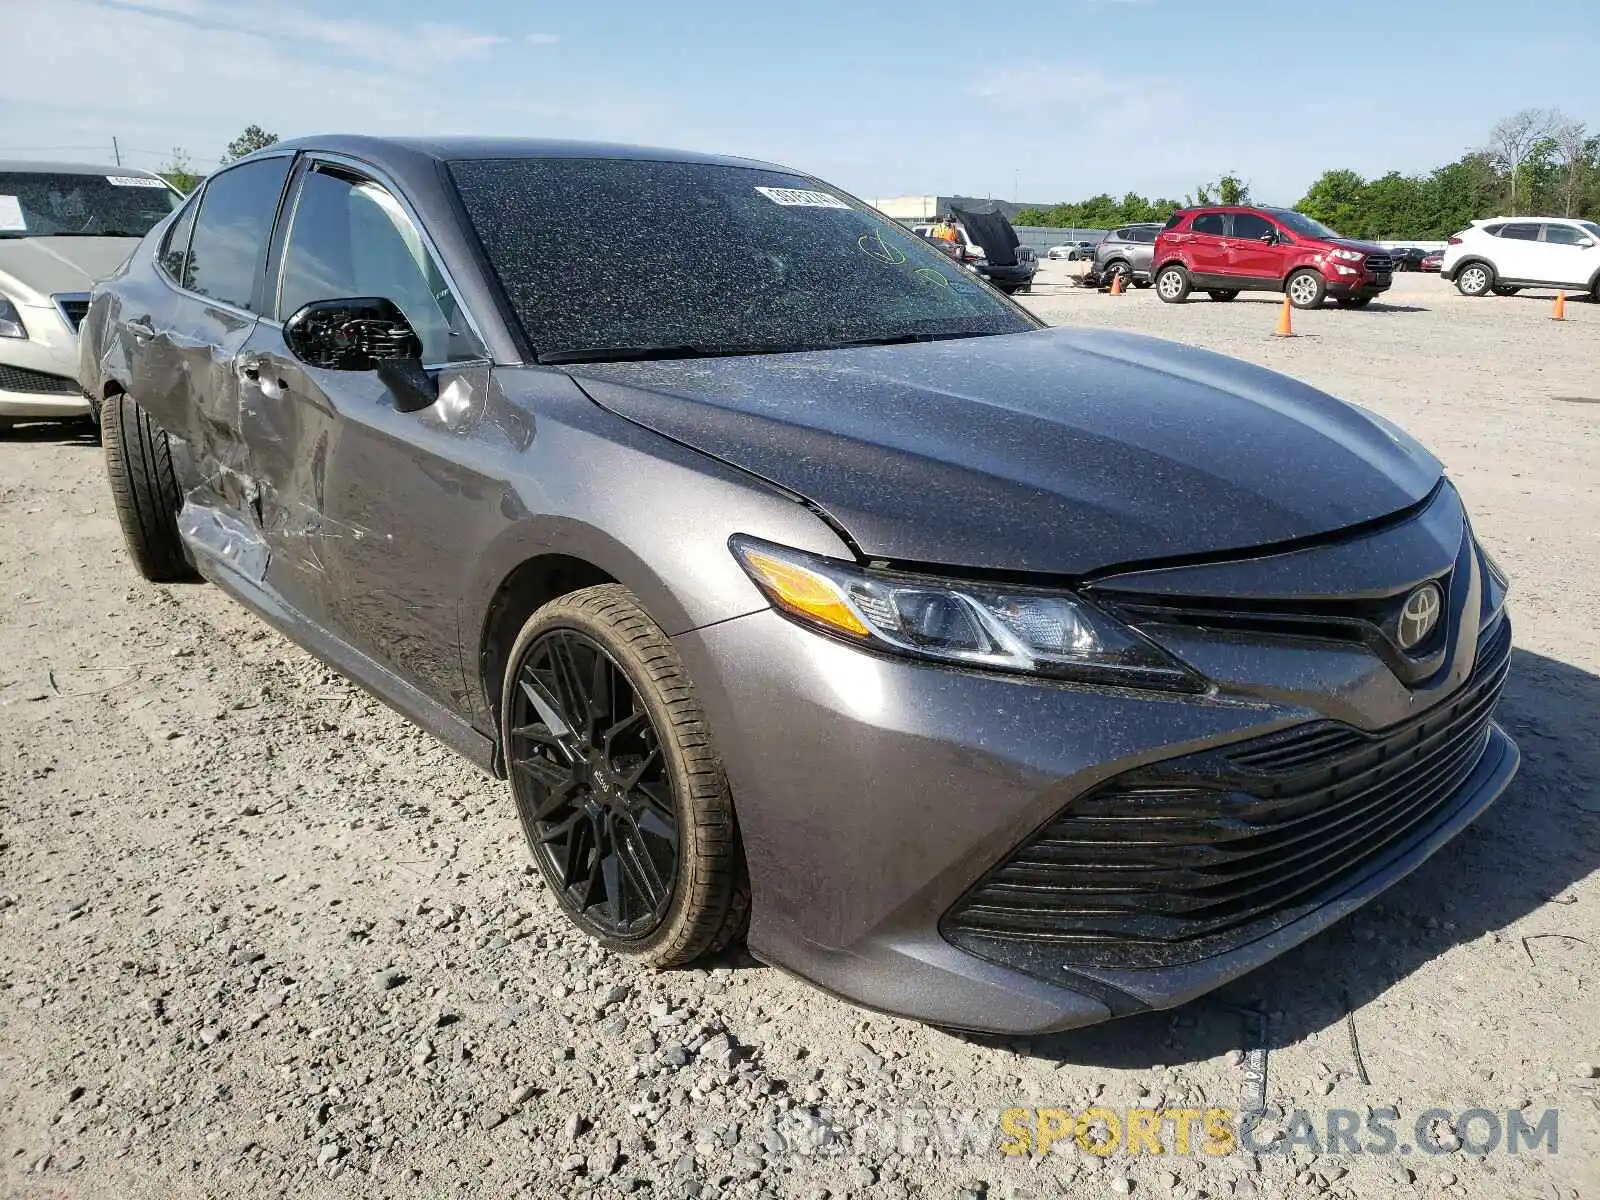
1285, 321
1559, 311
1116, 284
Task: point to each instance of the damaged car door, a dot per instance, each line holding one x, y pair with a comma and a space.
222, 282
358, 528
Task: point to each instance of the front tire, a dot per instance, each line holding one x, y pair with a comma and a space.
1173, 284
144, 489
1306, 289
1475, 279
621, 794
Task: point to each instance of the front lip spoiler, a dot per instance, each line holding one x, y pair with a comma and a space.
1168, 987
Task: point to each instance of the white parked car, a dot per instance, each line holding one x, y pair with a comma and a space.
62, 227
1505, 254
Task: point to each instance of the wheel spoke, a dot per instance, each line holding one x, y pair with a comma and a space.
611, 874
636, 860
550, 714
631, 780
578, 707
621, 727
561, 830
547, 773
596, 863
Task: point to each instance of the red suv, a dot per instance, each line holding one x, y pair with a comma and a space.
1225, 250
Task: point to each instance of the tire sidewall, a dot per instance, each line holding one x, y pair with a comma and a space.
1479, 270
1179, 292
560, 615
1321, 292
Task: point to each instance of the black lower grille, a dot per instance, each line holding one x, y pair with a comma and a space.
21, 379
1188, 857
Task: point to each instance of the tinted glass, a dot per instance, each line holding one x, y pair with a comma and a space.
1173, 220
1493, 230
1251, 226
1521, 233
175, 245
1565, 235
1209, 223
603, 256
1594, 230
1141, 235
351, 238
230, 234
50, 204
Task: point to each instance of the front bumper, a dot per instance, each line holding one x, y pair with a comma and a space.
874, 795
1362, 283
38, 374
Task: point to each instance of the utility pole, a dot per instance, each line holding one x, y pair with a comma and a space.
116, 151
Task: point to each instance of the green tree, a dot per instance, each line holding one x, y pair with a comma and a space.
178, 172
1335, 199
252, 139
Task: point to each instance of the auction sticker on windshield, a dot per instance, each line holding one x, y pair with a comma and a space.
11, 218
134, 181
801, 198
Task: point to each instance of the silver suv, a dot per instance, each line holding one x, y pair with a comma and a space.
1126, 252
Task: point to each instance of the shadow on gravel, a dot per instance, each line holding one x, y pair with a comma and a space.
56, 433
1522, 855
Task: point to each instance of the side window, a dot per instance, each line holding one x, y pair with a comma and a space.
174, 256
1564, 235
228, 252
1494, 230
350, 237
1142, 235
1251, 227
1174, 221
1211, 223
1521, 233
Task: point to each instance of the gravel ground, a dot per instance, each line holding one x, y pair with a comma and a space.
258, 937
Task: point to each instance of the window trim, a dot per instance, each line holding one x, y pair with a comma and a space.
193, 200
199, 199
370, 174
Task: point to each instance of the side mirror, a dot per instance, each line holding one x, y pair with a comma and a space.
364, 334
1270, 238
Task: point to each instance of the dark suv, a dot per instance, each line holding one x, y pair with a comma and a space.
1127, 252
1227, 250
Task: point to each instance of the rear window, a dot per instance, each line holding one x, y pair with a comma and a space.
1521, 233
634, 258
1141, 234
1174, 220
67, 204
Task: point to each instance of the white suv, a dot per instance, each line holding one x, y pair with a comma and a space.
1505, 254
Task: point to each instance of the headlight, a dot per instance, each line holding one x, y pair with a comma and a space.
1347, 255
990, 626
11, 325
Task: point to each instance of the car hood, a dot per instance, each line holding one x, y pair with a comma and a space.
990, 229
1355, 244
1059, 451
33, 269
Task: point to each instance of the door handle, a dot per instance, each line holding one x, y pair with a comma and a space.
142, 331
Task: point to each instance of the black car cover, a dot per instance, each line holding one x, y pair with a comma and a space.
989, 228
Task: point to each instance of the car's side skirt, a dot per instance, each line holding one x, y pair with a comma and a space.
1236, 283
421, 710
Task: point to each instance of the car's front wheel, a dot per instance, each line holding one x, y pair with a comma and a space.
1306, 289
620, 790
144, 489
1475, 279
1173, 285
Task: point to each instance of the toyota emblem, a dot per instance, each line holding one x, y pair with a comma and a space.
1420, 615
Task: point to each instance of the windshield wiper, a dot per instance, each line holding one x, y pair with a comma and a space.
732, 349
648, 353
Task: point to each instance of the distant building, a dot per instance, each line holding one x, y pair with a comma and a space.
931, 208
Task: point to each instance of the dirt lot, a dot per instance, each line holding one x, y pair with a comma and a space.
258, 937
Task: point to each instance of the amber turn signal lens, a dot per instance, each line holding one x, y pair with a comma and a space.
804, 593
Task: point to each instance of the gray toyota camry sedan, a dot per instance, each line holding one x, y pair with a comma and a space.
803, 587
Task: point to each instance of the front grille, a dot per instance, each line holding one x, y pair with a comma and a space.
73, 307
1189, 857
1380, 264
21, 379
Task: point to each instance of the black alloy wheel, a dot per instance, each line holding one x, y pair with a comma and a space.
606, 827
621, 793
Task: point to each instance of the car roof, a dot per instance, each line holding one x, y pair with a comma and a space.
39, 167
391, 151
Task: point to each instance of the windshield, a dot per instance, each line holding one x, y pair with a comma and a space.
1300, 223
631, 258
1591, 227
68, 204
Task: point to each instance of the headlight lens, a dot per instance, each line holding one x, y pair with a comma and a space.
11, 325
991, 626
1347, 255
